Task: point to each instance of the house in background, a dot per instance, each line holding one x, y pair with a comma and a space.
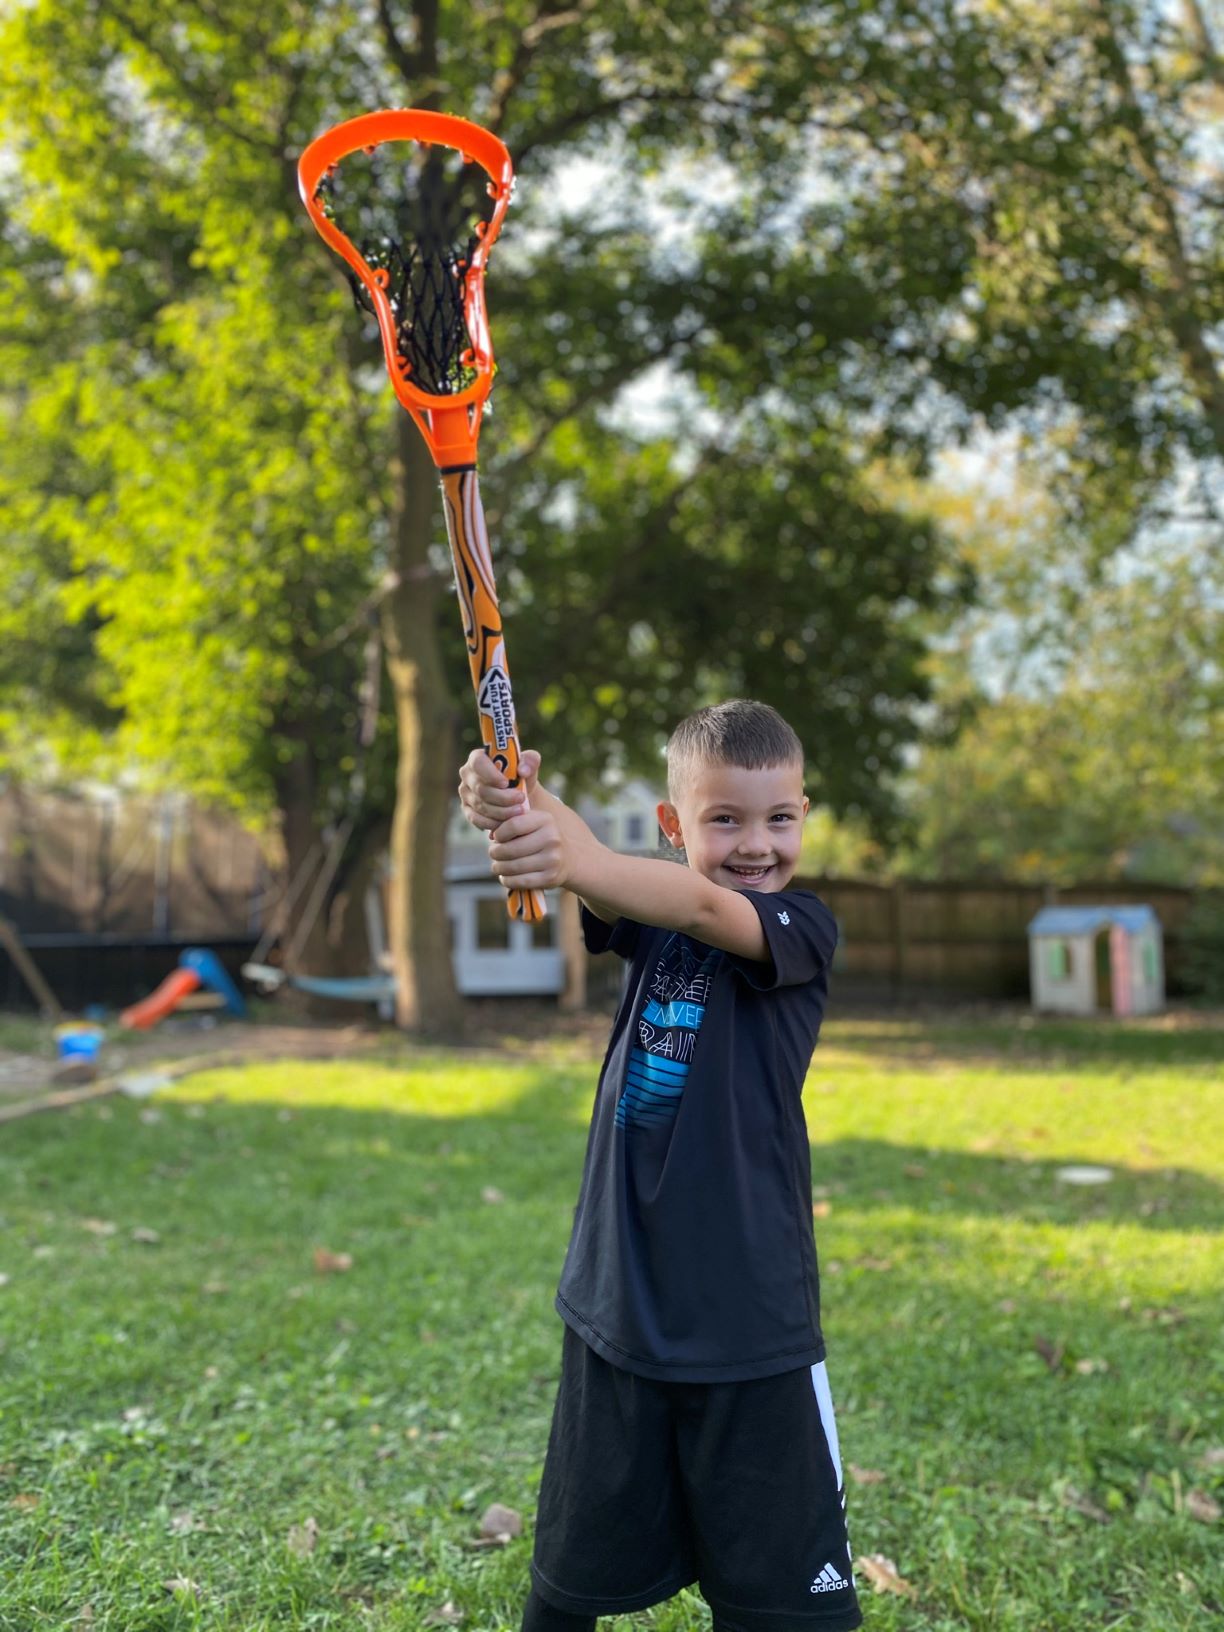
497, 956
1092, 960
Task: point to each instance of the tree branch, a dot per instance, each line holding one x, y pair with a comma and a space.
546, 135
548, 20
1183, 313
420, 63
1196, 27
601, 391
201, 96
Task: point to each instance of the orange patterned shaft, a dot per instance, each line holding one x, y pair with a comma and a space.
465, 526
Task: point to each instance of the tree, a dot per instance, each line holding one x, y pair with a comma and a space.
201, 340
815, 322
1072, 730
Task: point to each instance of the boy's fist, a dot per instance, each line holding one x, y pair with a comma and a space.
486, 796
527, 852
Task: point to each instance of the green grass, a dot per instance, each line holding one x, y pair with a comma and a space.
1012, 1354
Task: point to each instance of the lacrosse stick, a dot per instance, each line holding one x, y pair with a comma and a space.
414, 210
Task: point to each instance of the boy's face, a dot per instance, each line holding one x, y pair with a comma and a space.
740, 828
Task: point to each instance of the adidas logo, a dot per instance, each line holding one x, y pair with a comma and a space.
829, 1581
784, 917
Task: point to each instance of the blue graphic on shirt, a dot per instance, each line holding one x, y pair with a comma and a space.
666, 1035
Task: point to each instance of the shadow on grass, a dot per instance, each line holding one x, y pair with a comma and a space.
870, 1173
1033, 1045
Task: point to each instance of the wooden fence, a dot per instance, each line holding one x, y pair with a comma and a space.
910, 939
78, 875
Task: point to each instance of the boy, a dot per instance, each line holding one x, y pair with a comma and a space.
693, 1436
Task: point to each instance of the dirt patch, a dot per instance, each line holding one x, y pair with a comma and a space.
29, 1076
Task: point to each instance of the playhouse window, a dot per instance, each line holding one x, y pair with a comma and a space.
1149, 963
492, 924
635, 831
1058, 960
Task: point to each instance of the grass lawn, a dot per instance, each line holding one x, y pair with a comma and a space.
201, 1427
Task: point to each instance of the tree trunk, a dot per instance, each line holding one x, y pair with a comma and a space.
418, 929
347, 930
305, 852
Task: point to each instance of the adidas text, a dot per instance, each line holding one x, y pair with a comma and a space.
828, 1580
784, 917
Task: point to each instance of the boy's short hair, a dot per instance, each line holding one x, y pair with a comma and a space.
738, 732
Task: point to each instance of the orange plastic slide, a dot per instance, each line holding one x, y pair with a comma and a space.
162, 1002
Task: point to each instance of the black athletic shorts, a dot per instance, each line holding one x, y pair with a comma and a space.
649, 1486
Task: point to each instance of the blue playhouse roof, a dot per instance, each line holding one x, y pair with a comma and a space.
1087, 920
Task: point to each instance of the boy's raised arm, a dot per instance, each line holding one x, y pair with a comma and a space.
544, 844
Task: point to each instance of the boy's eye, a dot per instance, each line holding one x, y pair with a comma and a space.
783, 816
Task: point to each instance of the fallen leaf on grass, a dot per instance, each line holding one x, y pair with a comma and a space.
331, 1263
1007, 1306
445, 1615
181, 1584
882, 1573
1088, 1368
1171, 1316
1051, 1353
1203, 1507
26, 1499
1085, 1505
868, 1262
146, 1237
98, 1226
914, 1170
822, 1209
492, 1195
865, 1476
1212, 1457
498, 1526
182, 1524
302, 1538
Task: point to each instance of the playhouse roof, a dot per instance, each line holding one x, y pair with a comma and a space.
1087, 920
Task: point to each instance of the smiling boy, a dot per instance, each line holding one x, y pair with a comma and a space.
693, 1437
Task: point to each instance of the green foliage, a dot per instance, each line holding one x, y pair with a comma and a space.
827, 240
1095, 752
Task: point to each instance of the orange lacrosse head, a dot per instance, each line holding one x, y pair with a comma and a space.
415, 228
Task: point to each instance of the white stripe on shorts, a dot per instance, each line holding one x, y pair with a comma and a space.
820, 1382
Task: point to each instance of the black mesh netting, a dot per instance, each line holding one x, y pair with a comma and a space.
412, 212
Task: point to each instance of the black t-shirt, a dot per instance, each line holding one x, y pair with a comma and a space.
692, 1256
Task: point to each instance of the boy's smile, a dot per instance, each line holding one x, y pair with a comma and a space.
739, 828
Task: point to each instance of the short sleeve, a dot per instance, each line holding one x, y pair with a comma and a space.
620, 937
801, 934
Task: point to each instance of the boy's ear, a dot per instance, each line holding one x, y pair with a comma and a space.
669, 821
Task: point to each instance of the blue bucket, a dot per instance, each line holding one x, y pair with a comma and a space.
79, 1042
